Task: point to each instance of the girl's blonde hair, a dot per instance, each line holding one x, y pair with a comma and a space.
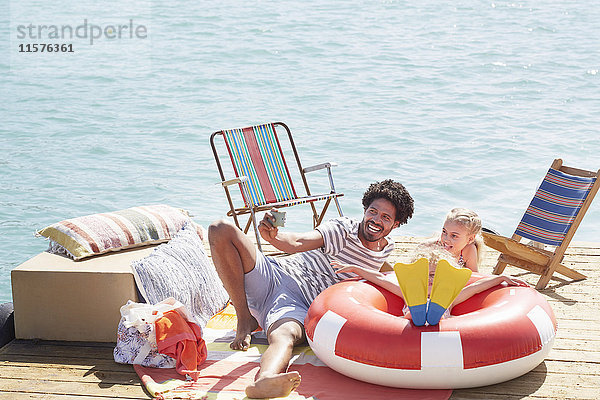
471, 221
434, 253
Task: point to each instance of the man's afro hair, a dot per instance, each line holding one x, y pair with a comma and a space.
396, 193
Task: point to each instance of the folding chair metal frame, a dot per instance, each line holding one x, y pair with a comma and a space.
537, 260
251, 206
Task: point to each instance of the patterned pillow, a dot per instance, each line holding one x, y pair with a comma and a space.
95, 234
181, 269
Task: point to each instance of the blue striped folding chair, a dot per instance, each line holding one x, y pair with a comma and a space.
262, 174
552, 218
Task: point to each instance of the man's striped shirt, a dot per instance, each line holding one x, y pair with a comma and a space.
312, 269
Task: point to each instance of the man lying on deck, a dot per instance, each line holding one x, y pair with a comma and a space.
276, 293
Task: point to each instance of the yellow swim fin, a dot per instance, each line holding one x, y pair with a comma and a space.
413, 281
447, 284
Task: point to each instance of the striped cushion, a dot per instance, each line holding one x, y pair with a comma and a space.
100, 233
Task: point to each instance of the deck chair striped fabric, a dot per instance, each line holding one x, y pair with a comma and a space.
552, 218
554, 207
262, 172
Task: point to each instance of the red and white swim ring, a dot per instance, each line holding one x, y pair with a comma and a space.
358, 329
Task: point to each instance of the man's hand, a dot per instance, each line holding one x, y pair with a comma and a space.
266, 229
288, 242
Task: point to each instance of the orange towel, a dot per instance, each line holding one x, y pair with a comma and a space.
182, 340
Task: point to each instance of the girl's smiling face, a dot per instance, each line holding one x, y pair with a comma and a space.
455, 237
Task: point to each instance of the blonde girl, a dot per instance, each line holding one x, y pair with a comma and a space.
461, 237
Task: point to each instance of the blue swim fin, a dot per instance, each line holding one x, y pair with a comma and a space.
447, 284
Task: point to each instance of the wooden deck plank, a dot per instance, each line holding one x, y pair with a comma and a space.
41, 386
61, 370
67, 374
473, 394
543, 391
24, 347
55, 396
568, 355
86, 364
568, 367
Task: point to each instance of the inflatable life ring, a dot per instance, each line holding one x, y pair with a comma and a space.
358, 329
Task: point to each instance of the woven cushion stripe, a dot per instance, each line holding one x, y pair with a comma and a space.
242, 165
277, 171
99, 233
554, 207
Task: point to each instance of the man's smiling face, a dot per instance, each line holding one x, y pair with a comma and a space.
378, 221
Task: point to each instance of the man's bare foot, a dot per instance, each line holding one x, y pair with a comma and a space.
278, 385
242, 335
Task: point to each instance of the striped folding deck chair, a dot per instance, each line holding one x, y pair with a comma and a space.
552, 218
262, 174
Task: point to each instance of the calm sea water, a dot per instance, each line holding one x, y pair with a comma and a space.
467, 103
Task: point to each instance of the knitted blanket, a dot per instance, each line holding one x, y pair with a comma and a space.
181, 269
